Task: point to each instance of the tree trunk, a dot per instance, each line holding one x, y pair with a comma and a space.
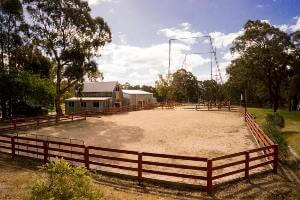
58, 90
3, 109
275, 104
58, 105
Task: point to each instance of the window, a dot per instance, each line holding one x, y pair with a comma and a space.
117, 88
96, 104
71, 103
83, 104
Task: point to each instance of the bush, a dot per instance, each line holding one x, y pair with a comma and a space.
296, 195
64, 182
274, 133
276, 119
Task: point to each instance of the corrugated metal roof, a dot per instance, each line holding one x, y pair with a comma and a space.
135, 92
88, 99
108, 86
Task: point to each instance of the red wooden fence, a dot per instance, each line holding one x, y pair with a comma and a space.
25, 122
87, 155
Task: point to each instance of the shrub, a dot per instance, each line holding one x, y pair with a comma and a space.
276, 119
274, 133
64, 182
296, 194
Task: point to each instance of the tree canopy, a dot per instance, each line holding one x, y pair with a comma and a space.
24, 71
71, 38
264, 63
183, 87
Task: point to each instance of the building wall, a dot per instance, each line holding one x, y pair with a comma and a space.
89, 106
116, 94
136, 99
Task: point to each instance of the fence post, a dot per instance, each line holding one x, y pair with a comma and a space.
38, 121
14, 121
140, 169
84, 115
56, 119
87, 158
247, 154
275, 162
72, 115
45, 144
13, 151
209, 177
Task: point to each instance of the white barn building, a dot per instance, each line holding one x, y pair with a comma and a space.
138, 97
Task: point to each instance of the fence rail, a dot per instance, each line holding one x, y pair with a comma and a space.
29, 122
263, 156
25, 122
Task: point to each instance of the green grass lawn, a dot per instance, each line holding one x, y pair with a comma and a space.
292, 124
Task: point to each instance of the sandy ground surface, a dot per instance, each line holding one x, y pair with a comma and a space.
189, 133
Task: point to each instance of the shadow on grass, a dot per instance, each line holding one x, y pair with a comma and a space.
291, 133
19, 163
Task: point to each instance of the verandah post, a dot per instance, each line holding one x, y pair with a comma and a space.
247, 155
140, 169
209, 177
275, 162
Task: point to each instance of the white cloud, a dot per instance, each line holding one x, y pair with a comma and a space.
141, 65
266, 21
287, 28
123, 38
229, 56
259, 6
96, 2
222, 40
111, 11
183, 30
296, 27
283, 27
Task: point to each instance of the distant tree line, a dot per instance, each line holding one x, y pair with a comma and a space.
48, 53
183, 86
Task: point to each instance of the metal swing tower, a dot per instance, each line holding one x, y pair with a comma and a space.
212, 52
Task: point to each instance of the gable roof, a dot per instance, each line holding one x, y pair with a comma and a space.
108, 86
135, 92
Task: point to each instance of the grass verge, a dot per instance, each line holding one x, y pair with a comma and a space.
291, 132
17, 176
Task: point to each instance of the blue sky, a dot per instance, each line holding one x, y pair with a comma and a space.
141, 30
